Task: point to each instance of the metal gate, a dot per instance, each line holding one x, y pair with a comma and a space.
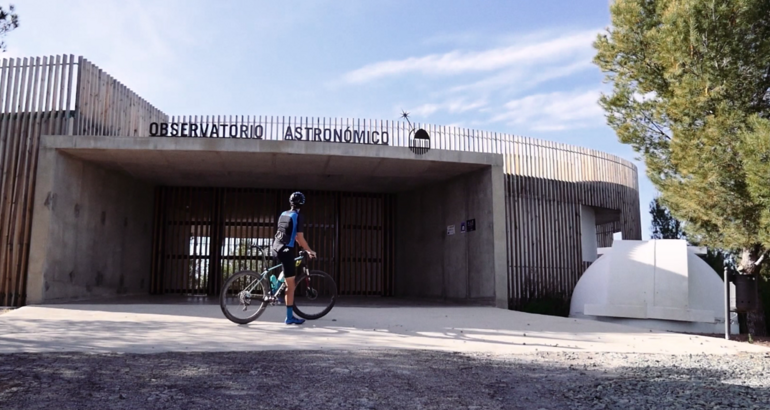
201, 236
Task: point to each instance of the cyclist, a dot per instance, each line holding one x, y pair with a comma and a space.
290, 226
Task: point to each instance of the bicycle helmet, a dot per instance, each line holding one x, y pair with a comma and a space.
297, 199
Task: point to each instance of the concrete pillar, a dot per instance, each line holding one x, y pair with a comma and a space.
433, 263
91, 231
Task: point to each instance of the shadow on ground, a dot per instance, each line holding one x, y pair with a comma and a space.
372, 380
154, 328
107, 336
342, 300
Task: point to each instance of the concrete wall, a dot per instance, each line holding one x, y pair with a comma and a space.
464, 266
91, 231
588, 241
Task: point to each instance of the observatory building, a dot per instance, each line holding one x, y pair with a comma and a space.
103, 195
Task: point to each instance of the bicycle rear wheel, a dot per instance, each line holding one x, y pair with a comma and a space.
314, 295
244, 297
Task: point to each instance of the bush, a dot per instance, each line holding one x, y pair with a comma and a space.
552, 305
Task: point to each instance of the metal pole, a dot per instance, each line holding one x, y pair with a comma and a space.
727, 304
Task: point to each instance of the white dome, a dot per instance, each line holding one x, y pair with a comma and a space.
656, 284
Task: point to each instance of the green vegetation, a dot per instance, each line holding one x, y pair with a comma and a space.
552, 305
9, 21
690, 95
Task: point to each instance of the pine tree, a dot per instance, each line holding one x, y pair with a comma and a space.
690, 94
9, 21
664, 225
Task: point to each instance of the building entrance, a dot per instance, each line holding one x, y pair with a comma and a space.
201, 236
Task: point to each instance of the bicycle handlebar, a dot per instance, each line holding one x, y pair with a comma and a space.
303, 255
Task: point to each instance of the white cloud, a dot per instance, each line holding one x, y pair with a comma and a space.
455, 38
523, 78
452, 106
554, 111
650, 96
459, 62
480, 83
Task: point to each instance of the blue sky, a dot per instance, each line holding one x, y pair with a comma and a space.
519, 67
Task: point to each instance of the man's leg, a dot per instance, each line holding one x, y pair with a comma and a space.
288, 273
290, 291
290, 319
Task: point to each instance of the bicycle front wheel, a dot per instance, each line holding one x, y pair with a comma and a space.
244, 297
314, 294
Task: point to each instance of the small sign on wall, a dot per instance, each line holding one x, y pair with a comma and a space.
462, 227
450, 230
470, 225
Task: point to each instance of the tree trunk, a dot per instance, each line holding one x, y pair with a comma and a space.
748, 266
756, 320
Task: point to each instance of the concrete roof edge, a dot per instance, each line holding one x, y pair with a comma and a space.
88, 142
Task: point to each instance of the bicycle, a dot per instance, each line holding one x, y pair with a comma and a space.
314, 289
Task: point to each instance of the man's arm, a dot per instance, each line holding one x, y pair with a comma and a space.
303, 243
301, 237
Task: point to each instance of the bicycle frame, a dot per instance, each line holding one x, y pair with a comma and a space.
253, 279
262, 277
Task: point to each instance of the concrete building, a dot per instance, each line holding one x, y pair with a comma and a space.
104, 194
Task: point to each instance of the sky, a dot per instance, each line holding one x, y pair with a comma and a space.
512, 66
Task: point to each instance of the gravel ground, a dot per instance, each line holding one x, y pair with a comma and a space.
382, 380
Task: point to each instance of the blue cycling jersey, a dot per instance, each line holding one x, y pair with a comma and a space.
289, 225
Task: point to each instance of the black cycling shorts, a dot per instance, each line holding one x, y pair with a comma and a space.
286, 257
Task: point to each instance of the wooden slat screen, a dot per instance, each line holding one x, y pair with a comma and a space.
52, 95
545, 185
203, 235
104, 106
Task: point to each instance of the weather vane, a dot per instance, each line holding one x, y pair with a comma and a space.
405, 115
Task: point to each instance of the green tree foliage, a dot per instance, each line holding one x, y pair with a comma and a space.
9, 20
755, 146
243, 254
237, 254
664, 225
690, 93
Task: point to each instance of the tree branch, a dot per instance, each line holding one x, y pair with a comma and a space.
657, 129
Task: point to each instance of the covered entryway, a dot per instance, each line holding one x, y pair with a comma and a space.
161, 215
204, 235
